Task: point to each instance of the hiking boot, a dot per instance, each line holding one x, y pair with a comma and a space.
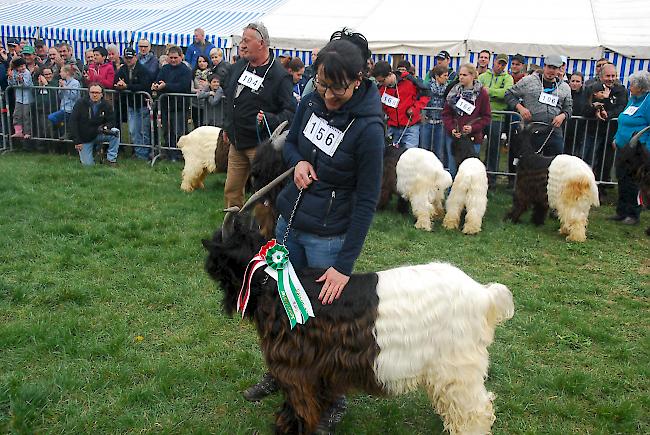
630, 221
331, 417
267, 386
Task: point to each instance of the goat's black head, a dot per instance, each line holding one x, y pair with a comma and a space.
463, 148
521, 143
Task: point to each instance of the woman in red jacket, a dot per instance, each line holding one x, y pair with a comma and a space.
467, 110
100, 71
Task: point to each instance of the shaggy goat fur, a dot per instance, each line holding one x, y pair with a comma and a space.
198, 149
389, 180
572, 190
268, 164
389, 332
531, 180
636, 161
422, 180
468, 192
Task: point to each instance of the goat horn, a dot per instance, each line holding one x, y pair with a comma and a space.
228, 226
278, 130
635, 139
264, 190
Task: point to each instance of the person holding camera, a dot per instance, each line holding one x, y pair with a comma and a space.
93, 122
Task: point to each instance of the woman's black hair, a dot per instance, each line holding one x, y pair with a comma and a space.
345, 57
196, 67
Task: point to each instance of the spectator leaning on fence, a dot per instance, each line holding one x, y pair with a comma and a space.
21, 78
93, 122
609, 98
258, 99
147, 59
174, 77
432, 133
633, 119
517, 67
575, 131
45, 101
199, 47
211, 100
68, 97
541, 97
497, 81
134, 77
403, 96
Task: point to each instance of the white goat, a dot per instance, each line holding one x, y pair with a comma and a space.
572, 190
422, 180
198, 149
468, 192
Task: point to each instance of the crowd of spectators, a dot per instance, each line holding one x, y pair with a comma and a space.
419, 111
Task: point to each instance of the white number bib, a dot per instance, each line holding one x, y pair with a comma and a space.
250, 80
631, 110
323, 135
548, 99
465, 106
389, 100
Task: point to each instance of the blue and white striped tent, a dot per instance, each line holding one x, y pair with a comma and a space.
123, 22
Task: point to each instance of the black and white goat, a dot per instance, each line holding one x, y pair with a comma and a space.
392, 154
636, 160
390, 332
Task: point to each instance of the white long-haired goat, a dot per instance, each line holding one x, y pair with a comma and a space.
198, 149
422, 180
468, 192
572, 190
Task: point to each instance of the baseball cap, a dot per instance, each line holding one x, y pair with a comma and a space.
443, 54
28, 49
553, 60
501, 58
518, 57
13, 41
285, 54
129, 53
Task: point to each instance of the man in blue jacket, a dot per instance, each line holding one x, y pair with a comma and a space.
200, 47
176, 78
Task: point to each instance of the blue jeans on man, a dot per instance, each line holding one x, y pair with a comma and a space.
140, 130
88, 148
407, 137
58, 119
309, 250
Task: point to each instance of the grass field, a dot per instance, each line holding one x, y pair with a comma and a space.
108, 323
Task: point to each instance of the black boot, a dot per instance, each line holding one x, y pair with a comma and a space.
263, 388
332, 416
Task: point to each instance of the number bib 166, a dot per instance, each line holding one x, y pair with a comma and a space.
323, 135
250, 80
465, 106
389, 100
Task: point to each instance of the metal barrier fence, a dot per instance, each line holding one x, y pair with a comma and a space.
587, 138
151, 124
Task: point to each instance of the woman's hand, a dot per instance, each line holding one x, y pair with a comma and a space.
335, 281
304, 174
455, 133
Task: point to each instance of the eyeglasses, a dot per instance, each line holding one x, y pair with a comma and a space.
143, 46
95, 92
336, 90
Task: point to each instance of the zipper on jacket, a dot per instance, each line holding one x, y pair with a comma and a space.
329, 207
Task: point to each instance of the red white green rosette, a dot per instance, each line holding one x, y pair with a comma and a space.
292, 294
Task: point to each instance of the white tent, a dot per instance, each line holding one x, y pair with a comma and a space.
579, 29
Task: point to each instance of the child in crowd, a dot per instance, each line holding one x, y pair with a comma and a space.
68, 97
19, 76
210, 102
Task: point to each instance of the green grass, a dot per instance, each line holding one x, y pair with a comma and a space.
108, 323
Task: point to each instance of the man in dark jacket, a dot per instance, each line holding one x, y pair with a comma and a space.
609, 98
175, 77
259, 97
93, 122
134, 77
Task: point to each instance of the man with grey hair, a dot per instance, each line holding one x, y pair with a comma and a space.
147, 59
259, 97
608, 99
200, 47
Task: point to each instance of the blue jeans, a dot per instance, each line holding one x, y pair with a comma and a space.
494, 143
139, 130
86, 153
411, 137
554, 144
449, 162
309, 250
57, 118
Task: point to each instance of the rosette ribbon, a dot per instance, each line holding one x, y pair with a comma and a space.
292, 294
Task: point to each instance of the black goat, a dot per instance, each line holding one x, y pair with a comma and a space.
389, 180
635, 159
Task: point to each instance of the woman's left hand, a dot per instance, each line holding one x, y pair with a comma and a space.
335, 281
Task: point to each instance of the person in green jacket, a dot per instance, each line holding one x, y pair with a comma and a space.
497, 81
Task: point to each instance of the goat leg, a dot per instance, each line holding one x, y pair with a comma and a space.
518, 208
539, 213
